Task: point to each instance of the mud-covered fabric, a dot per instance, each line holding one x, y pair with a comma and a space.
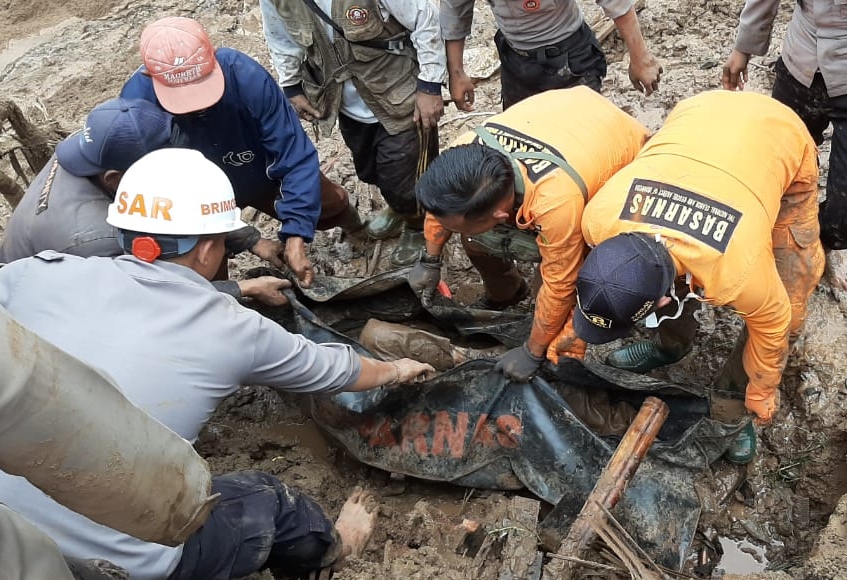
739, 215
596, 139
818, 109
576, 60
258, 521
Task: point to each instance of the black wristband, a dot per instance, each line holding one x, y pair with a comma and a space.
430, 259
429, 88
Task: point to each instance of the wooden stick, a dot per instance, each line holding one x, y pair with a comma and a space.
605, 26
613, 481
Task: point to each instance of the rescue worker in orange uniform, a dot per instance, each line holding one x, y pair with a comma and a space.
722, 200
521, 181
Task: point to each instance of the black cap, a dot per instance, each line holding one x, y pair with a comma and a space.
619, 284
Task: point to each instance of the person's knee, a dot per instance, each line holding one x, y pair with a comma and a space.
307, 553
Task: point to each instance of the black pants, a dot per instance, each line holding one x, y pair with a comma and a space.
258, 523
818, 110
577, 60
388, 161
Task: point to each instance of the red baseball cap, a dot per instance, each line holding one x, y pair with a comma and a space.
180, 59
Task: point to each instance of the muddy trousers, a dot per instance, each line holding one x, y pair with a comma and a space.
503, 281
818, 110
259, 523
799, 260
576, 60
388, 161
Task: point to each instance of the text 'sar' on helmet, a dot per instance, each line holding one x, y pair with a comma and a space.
175, 192
619, 284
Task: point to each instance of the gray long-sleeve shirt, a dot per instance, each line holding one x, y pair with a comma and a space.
60, 212
816, 39
526, 24
174, 346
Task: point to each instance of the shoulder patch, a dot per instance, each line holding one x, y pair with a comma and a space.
516, 142
357, 15
706, 220
50, 256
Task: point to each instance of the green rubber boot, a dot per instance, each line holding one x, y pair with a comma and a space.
641, 357
743, 449
386, 224
408, 248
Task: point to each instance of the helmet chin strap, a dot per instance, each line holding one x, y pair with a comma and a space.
653, 321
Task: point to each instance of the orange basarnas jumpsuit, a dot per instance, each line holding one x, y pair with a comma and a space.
730, 183
597, 139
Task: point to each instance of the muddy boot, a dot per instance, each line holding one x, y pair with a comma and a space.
95, 569
743, 449
386, 224
486, 303
408, 248
351, 223
642, 357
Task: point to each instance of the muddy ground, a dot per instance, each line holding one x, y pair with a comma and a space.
57, 60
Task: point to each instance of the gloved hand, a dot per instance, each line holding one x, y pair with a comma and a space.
425, 276
763, 405
519, 364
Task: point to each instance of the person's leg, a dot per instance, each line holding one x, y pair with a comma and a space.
673, 340
810, 103
833, 211
258, 519
26, 553
400, 159
504, 285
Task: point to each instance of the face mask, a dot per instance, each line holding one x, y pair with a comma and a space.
652, 321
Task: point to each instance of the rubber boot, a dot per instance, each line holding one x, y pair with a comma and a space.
744, 447
409, 247
351, 223
386, 224
641, 357
486, 303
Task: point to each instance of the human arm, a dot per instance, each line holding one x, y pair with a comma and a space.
755, 26
292, 362
644, 70
426, 274
766, 310
421, 19
456, 18
460, 84
287, 57
557, 217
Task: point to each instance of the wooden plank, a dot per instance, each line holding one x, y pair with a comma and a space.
605, 26
520, 551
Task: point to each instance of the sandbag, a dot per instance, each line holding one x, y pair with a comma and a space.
68, 429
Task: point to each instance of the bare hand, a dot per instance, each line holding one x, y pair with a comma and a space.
645, 73
295, 256
269, 251
412, 369
428, 109
265, 289
461, 90
304, 108
735, 71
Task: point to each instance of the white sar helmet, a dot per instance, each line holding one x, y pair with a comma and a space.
175, 192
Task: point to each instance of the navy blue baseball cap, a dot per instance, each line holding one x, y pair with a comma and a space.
117, 133
619, 284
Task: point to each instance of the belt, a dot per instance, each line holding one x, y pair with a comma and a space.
541, 53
